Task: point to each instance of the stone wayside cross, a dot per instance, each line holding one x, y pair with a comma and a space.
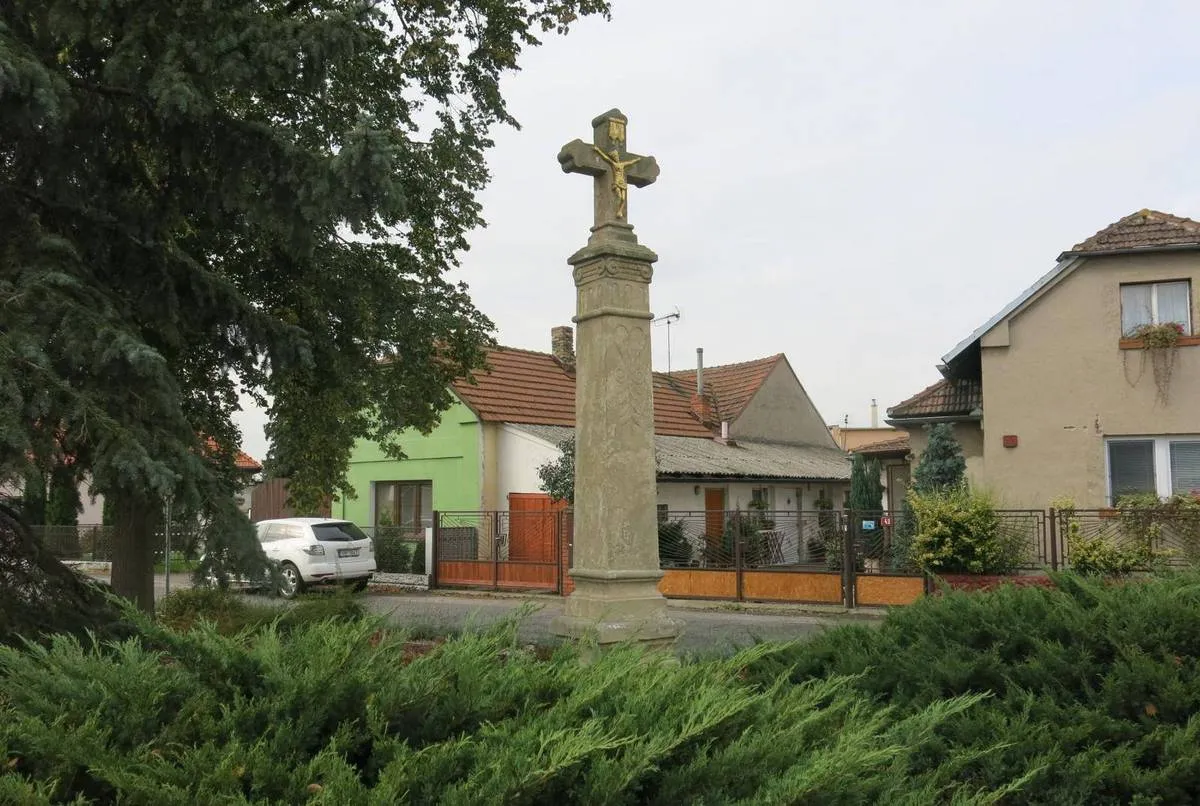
615, 563
614, 168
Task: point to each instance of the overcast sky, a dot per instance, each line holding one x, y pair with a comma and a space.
854, 184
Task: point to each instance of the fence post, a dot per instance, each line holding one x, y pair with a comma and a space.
737, 554
558, 560
433, 559
496, 549
1053, 539
848, 569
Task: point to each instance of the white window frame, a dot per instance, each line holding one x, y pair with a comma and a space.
1162, 461
1154, 320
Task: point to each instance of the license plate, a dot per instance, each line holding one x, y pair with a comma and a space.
347, 552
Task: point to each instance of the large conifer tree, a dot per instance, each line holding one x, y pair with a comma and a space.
201, 198
941, 464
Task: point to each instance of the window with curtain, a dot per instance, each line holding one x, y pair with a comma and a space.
1156, 304
1185, 467
1131, 467
407, 504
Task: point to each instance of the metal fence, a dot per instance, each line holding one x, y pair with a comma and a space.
94, 542
517, 549
1128, 539
750, 539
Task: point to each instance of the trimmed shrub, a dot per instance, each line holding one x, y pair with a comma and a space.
1083, 694
393, 553
345, 713
418, 558
958, 531
1093, 687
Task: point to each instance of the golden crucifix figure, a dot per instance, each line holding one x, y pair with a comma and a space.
613, 168
620, 184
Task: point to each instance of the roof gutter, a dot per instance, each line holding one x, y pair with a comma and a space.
1132, 250
933, 419
702, 477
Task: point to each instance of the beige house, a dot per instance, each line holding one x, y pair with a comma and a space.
1057, 396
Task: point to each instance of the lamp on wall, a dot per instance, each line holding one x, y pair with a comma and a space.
696, 490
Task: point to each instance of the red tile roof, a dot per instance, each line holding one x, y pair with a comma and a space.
894, 445
946, 398
1145, 229
244, 461
533, 388
241, 460
522, 386
732, 385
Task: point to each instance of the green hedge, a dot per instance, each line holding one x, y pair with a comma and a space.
1094, 686
1085, 695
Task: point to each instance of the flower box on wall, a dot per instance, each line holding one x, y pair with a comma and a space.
1139, 344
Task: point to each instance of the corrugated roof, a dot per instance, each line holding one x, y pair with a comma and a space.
948, 397
732, 385
1145, 229
695, 457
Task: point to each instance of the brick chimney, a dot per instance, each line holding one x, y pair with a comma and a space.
701, 405
562, 346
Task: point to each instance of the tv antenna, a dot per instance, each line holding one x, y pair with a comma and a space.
667, 320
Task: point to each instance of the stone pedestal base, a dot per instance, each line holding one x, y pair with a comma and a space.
615, 606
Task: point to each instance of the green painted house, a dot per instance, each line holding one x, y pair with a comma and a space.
441, 471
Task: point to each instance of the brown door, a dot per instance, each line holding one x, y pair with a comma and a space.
714, 523
532, 520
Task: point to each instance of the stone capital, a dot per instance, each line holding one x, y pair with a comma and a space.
631, 271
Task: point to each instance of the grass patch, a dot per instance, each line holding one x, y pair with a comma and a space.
179, 565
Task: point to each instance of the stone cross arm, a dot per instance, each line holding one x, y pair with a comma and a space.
578, 157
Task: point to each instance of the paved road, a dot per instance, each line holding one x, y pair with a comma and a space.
705, 631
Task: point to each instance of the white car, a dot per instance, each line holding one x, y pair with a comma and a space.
311, 551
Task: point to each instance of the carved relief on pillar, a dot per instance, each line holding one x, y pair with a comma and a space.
628, 270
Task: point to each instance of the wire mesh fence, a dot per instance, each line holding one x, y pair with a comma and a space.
749, 539
94, 542
1134, 539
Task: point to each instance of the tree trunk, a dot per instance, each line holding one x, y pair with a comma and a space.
133, 549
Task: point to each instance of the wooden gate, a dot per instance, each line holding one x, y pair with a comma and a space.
521, 549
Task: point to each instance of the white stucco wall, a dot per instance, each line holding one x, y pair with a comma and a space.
518, 457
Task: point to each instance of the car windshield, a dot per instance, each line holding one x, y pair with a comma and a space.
338, 531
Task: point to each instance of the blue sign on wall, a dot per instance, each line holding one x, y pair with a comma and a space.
868, 526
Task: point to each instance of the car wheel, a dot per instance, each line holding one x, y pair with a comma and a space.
360, 585
291, 582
